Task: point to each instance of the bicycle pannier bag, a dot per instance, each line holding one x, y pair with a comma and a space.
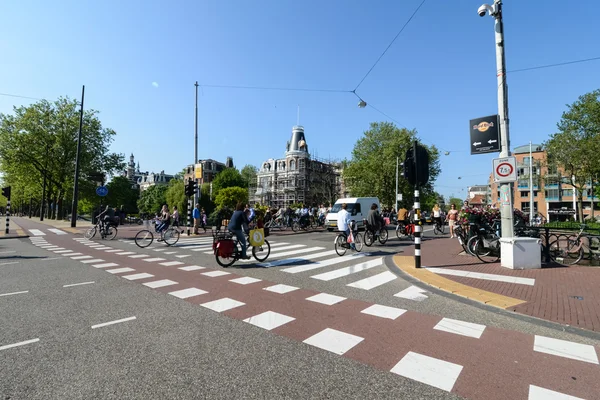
257, 237
225, 248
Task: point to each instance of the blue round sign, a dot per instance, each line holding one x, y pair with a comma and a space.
101, 191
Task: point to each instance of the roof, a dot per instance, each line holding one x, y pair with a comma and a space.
478, 199
535, 148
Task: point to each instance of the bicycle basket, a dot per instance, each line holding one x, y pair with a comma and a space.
225, 248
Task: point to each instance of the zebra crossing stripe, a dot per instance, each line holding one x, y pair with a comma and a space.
321, 264
295, 260
374, 281
352, 269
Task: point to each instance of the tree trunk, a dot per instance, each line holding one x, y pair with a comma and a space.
60, 215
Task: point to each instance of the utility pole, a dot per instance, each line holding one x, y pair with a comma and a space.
397, 160
76, 183
530, 185
44, 185
196, 145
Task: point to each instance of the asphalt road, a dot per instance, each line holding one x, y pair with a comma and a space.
177, 349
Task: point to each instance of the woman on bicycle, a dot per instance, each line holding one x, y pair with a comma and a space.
374, 219
165, 220
437, 215
236, 226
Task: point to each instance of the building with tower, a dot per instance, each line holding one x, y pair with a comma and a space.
144, 180
298, 177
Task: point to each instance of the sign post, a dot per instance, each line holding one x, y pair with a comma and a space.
485, 135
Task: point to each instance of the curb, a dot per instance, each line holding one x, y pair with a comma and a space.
19, 235
406, 265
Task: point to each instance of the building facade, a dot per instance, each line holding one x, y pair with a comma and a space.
553, 196
479, 194
297, 177
144, 180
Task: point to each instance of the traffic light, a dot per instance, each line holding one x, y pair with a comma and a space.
416, 167
6, 192
191, 187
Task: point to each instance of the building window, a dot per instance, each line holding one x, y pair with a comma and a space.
524, 193
535, 193
292, 165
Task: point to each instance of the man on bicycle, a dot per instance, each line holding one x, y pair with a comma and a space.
374, 219
236, 225
107, 217
343, 222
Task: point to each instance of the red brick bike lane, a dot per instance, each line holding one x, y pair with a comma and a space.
471, 360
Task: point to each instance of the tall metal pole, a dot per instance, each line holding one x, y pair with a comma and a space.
44, 185
506, 206
196, 146
76, 183
396, 209
417, 207
530, 185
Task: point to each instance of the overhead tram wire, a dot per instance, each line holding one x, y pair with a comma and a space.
554, 65
390, 45
277, 88
19, 97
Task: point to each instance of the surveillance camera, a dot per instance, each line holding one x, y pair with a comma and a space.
485, 7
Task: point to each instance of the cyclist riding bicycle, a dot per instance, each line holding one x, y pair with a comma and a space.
238, 220
374, 219
107, 217
165, 220
437, 215
343, 222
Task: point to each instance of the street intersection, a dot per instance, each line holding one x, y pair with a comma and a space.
95, 318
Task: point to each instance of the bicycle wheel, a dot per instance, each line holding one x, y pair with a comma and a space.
261, 252
340, 244
111, 233
90, 233
436, 230
171, 236
358, 241
565, 252
471, 245
490, 253
228, 261
369, 238
144, 238
383, 236
401, 232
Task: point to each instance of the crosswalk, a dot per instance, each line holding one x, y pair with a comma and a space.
39, 232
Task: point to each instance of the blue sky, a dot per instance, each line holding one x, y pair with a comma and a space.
439, 74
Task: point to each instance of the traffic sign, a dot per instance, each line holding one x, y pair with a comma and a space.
485, 135
101, 191
505, 169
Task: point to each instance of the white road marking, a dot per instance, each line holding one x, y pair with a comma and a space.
79, 284
153, 259
63, 251
539, 393
374, 281
281, 288
37, 232
321, 264
213, 274
119, 270
139, 256
191, 268
335, 341
105, 265
118, 321
71, 254
112, 250
57, 231
134, 277
428, 370
81, 257
245, 280
183, 256
161, 283
170, 252
479, 275
94, 261
384, 311
9, 251
171, 263
9, 263
125, 253
460, 327
222, 304
9, 346
412, 293
338, 273
269, 320
565, 348
10, 294
295, 260
189, 292
326, 298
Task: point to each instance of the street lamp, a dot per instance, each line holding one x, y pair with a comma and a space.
76, 183
506, 206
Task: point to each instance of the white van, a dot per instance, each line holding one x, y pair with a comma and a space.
358, 207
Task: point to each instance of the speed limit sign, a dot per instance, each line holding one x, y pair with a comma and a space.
505, 169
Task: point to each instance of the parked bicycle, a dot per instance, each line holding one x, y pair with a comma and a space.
145, 237
371, 234
106, 230
277, 223
571, 250
228, 250
341, 241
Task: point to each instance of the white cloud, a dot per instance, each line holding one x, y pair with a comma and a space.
155, 84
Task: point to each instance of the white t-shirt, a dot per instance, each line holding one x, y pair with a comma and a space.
436, 213
343, 220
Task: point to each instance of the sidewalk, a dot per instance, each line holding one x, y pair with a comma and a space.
14, 231
566, 295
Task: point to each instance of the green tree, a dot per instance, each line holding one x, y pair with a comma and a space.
229, 177
152, 199
42, 139
121, 193
248, 174
456, 201
205, 200
175, 196
575, 147
230, 196
372, 169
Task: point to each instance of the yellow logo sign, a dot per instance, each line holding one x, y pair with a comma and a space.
483, 126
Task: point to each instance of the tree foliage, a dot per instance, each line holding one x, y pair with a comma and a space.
229, 177
175, 196
152, 199
42, 138
121, 194
372, 169
230, 196
575, 147
248, 174
456, 201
